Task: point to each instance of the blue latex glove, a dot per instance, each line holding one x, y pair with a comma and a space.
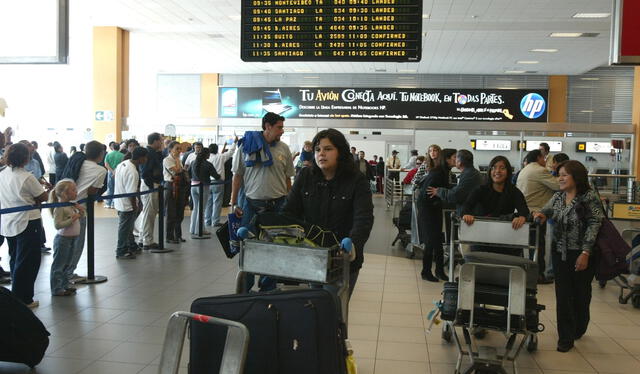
346, 244
243, 233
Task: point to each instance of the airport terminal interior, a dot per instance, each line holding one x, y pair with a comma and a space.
512, 78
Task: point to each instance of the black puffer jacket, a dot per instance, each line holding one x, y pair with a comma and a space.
342, 205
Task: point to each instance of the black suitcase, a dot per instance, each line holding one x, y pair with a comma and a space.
290, 332
23, 337
500, 276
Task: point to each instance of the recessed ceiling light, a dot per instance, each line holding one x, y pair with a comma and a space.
591, 15
311, 77
544, 50
514, 71
426, 16
527, 62
565, 34
381, 70
586, 111
302, 70
590, 79
406, 71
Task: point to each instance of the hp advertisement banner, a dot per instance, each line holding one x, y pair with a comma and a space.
501, 105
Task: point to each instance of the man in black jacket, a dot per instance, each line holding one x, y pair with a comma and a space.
470, 178
151, 175
363, 165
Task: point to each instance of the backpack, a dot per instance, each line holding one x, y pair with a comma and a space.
23, 337
72, 170
612, 252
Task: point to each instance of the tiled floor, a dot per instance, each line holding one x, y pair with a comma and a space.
118, 326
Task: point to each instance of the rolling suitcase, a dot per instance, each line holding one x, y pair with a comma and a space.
23, 337
291, 332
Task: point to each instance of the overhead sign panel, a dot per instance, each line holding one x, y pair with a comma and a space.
331, 30
386, 103
625, 43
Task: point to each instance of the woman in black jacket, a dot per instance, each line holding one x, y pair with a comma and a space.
334, 195
201, 173
430, 216
499, 198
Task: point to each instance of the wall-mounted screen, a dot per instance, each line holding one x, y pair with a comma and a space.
491, 145
598, 147
554, 146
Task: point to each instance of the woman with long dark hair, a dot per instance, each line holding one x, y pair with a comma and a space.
498, 198
201, 173
577, 215
334, 195
430, 215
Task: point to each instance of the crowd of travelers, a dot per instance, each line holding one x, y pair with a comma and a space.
332, 188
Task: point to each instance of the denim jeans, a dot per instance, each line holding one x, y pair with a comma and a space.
24, 250
62, 255
250, 209
111, 180
126, 241
77, 248
214, 205
195, 197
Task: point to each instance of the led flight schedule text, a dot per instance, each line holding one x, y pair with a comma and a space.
331, 30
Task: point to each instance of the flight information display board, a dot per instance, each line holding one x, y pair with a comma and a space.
331, 30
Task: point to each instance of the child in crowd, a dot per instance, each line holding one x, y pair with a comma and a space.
67, 221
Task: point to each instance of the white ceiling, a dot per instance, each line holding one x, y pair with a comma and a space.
462, 37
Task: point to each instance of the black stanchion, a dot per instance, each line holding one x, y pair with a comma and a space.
161, 248
201, 234
91, 276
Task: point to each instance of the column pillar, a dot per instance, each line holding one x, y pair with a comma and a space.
558, 93
209, 96
635, 120
110, 82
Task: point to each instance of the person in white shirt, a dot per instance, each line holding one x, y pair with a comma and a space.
214, 204
412, 160
19, 187
197, 148
51, 162
128, 181
90, 181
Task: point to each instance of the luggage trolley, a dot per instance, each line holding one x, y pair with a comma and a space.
509, 306
327, 266
235, 348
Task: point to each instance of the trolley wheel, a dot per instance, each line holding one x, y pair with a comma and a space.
622, 300
602, 284
635, 301
532, 343
446, 333
480, 333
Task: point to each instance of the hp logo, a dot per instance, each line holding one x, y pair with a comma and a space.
532, 105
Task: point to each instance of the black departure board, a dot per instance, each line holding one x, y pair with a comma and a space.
331, 30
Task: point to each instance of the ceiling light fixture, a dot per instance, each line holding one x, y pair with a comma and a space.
565, 34
591, 15
311, 77
586, 111
514, 71
527, 62
406, 71
302, 70
544, 50
590, 79
426, 16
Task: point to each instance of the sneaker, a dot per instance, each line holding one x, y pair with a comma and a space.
150, 246
44, 249
126, 256
182, 240
34, 304
72, 289
77, 278
173, 241
63, 293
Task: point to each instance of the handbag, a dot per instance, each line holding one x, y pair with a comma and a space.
227, 235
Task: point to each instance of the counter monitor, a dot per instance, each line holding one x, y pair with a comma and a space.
331, 30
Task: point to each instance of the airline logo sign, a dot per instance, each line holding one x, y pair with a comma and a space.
533, 105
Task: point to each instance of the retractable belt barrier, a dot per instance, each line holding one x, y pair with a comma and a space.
91, 276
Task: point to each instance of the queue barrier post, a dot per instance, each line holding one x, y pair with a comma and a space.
161, 213
92, 278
